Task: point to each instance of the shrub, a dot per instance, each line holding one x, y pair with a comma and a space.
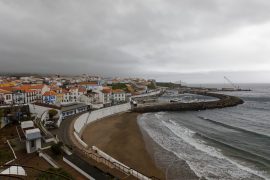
56, 148
52, 113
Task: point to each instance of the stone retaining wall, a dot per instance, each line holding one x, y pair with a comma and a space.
224, 101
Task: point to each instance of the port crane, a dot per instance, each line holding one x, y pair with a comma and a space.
231, 83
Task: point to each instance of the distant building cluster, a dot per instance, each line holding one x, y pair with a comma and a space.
91, 90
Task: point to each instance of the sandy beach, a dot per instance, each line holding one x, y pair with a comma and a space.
120, 137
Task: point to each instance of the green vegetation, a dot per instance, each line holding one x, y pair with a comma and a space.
56, 148
1, 115
54, 174
5, 155
119, 86
52, 113
151, 85
167, 84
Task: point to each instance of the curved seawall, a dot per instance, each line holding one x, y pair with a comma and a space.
224, 101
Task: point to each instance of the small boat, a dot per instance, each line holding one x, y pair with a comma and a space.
174, 100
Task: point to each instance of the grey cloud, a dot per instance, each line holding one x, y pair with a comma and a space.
131, 38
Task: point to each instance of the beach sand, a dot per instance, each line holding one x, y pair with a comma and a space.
120, 137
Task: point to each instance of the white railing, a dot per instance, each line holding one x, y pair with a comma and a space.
124, 168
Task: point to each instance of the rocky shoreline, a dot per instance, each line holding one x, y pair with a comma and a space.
224, 101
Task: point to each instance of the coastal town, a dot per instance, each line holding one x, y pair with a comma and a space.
32, 109
134, 90
45, 121
92, 90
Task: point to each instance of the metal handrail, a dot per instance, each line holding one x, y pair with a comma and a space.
117, 165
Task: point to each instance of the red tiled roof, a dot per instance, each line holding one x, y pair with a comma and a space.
2, 91
106, 91
88, 83
65, 91
118, 91
81, 89
29, 90
38, 86
8, 88
49, 93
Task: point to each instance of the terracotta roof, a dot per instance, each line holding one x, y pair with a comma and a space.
49, 93
39, 86
81, 89
6, 88
65, 91
26, 86
106, 91
88, 83
29, 90
2, 91
118, 91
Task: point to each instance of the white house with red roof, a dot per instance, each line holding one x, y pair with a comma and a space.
5, 97
30, 96
72, 94
107, 96
118, 95
40, 90
49, 97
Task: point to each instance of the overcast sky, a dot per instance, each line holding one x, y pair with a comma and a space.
196, 41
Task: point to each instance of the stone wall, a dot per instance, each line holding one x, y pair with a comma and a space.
224, 101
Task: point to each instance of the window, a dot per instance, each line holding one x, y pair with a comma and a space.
32, 143
8, 97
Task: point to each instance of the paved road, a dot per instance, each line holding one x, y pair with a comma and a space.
64, 132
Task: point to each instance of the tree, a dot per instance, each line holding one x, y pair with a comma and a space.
52, 113
151, 85
1, 113
56, 148
119, 86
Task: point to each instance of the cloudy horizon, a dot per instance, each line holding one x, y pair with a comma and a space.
189, 40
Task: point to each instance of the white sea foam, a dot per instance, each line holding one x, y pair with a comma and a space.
187, 135
203, 160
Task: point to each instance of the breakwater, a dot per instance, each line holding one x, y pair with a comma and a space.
224, 101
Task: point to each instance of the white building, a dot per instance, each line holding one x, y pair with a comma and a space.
73, 94
18, 97
30, 96
32, 136
5, 97
107, 96
72, 109
118, 96
94, 86
33, 140
40, 90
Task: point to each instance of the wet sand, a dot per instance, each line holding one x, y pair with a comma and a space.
120, 137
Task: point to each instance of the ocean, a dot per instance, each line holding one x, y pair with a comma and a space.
229, 143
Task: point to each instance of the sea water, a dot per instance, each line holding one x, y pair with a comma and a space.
228, 143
